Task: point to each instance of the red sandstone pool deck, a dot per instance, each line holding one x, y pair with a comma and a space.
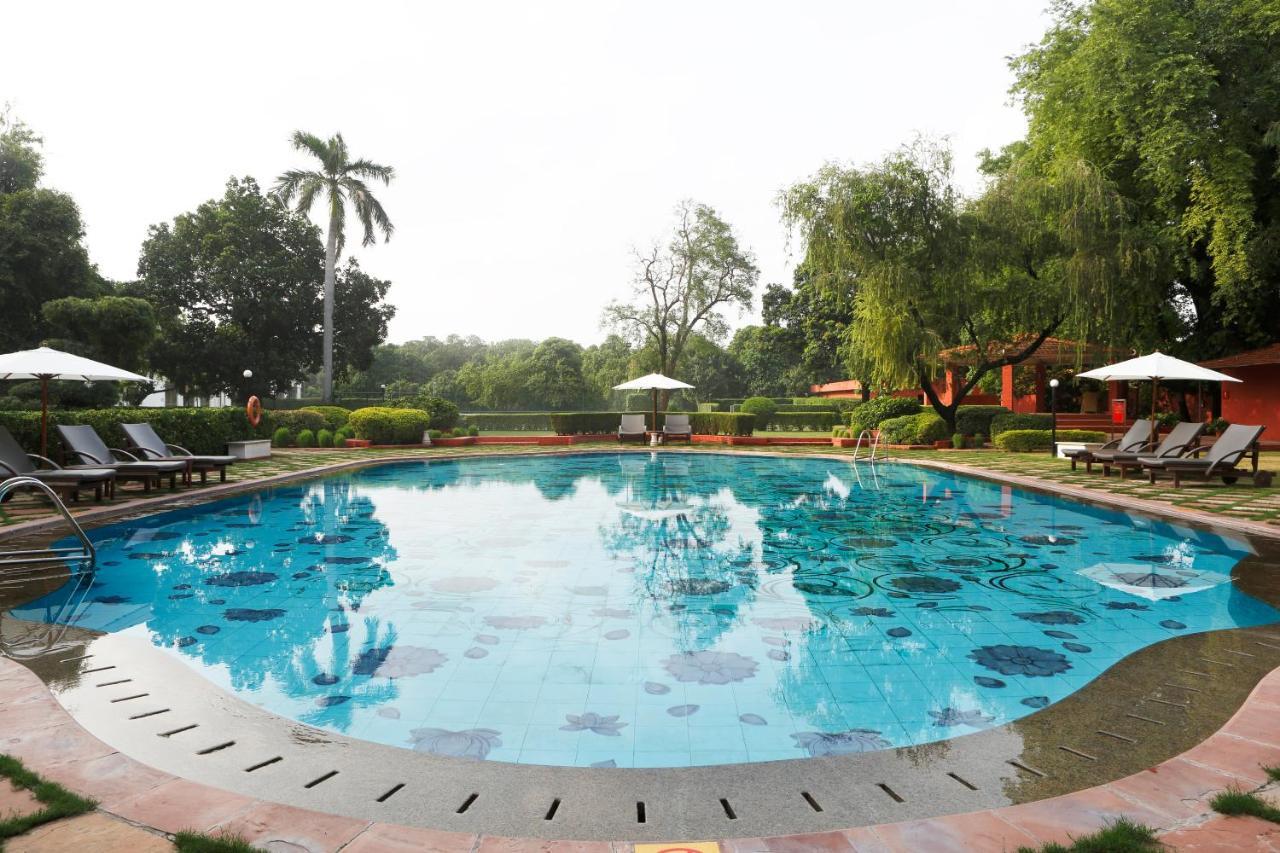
1171, 797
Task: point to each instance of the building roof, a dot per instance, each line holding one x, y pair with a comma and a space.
1263, 355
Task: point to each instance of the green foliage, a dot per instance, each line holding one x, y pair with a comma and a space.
588, 423
769, 357
342, 434
1235, 802
639, 402
196, 842
708, 407
1027, 440
473, 430
117, 330
871, 413
606, 423
972, 420
324, 438
202, 431
298, 420
56, 801
282, 437
1011, 421
958, 440
979, 439
305, 438
762, 407
442, 413
809, 407
722, 423
385, 425
920, 428
510, 421
21, 161
334, 416
1216, 427
69, 394
1123, 836
820, 421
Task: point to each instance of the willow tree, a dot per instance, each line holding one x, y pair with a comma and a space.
683, 287
340, 179
926, 269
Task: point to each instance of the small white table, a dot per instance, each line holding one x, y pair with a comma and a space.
1064, 446
258, 448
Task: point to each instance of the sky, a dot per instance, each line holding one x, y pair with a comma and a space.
535, 144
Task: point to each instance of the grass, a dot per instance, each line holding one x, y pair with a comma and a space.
1273, 773
58, 802
195, 842
1123, 836
1234, 802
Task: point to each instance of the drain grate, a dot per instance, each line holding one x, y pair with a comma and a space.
893, 795
129, 698
1193, 672
1219, 663
1240, 653
1266, 645
963, 781
466, 804
1116, 735
552, 809
209, 750
728, 809
112, 683
1182, 705
74, 659
96, 669
1027, 767
391, 792
640, 815
1146, 719
1182, 687
321, 779
146, 714
1083, 755
808, 798
262, 764
179, 731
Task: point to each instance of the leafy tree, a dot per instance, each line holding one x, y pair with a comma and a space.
814, 319
340, 179
683, 287
605, 365
42, 256
553, 375
238, 283
770, 361
1034, 256
1178, 103
711, 370
117, 330
360, 317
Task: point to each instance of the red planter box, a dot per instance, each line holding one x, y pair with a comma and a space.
844, 442
460, 441
357, 442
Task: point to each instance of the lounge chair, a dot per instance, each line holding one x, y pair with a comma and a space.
1133, 440
16, 462
84, 443
632, 427
677, 426
1180, 441
1220, 458
144, 440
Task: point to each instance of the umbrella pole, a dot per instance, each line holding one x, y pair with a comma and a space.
1155, 431
44, 415
655, 409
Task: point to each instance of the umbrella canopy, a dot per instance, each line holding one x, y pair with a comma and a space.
1154, 368
654, 382
45, 364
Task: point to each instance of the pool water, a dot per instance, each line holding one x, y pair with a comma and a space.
653, 610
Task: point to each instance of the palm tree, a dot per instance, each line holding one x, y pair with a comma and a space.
341, 179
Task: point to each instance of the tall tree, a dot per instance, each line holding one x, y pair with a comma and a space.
684, 286
340, 179
1036, 256
1178, 103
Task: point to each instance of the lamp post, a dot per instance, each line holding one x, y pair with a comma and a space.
1053, 407
248, 374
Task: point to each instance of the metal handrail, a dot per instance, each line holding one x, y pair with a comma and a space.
47, 555
873, 439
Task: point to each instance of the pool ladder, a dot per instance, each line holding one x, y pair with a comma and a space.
872, 439
85, 552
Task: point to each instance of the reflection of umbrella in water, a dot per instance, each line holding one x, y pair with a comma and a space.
1139, 580
656, 510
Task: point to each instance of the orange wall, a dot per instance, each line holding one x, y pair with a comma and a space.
1256, 400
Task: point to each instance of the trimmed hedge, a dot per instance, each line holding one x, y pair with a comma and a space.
510, 422
306, 438
920, 428
606, 423
202, 431
762, 407
385, 425
324, 438
975, 420
821, 421
1028, 440
297, 420
870, 414
1011, 421
335, 417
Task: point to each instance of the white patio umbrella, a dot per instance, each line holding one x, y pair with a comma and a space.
654, 382
45, 364
1154, 368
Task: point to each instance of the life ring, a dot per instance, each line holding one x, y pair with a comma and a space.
253, 410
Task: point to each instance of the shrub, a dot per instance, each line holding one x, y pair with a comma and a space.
281, 437
1027, 440
434, 434
1168, 420
510, 421
722, 423
587, 423
762, 407
971, 420
1216, 426
920, 428
298, 420
1011, 421
957, 441
202, 431
334, 416
324, 438
306, 438
440, 412
473, 430
870, 414
979, 439
639, 402
341, 435
812, 420
385, 425
807, 407
708, 407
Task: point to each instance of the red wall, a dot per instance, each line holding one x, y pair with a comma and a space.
1256, 400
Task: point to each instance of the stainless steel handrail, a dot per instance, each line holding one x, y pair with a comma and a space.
874, 439
47, 555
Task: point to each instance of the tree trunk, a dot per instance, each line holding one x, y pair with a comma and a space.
330, 267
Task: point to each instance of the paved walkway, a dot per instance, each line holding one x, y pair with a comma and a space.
140, 807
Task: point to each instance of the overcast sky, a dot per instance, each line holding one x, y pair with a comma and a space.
535, 143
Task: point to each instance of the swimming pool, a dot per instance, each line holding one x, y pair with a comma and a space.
653, 610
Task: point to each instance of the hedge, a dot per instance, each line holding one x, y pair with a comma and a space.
385, 425
1027, 440
1012, 421
335, 417
821, 421
510, 422
806, 407
976, 420
871, 413
607, 423
920, 428
297, 420
202, 431
762, 407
